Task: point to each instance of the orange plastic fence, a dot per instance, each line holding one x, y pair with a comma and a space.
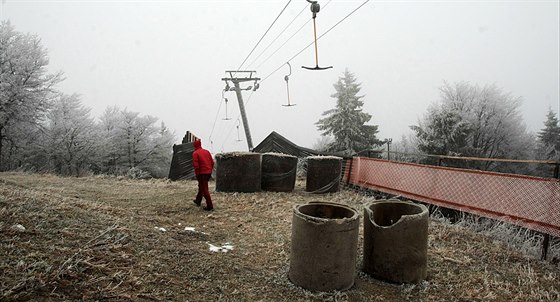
531, 202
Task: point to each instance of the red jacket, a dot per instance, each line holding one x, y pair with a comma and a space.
202, 159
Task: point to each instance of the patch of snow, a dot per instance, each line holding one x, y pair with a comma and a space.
278, 155
228, 155
18, 228
320, 157
193, 229
224, 248
160, 229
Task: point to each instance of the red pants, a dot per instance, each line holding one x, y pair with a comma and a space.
203, 189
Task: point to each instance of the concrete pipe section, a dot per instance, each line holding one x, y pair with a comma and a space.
324, 246
395, 240
323, 174
278, 172
238, 172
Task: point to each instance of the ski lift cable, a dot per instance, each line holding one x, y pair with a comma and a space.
297, 54
266, 32
278, 36
326, 32
217, 114
297, 31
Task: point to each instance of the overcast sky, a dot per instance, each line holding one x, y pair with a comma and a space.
167, 58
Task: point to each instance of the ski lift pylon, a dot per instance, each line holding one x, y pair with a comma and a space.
287, 78
315, 8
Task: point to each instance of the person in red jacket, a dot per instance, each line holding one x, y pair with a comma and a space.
203, 165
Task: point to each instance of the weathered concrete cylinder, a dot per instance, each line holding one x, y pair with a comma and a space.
238, 172
324, 246
323, 174
396, 240
278, 172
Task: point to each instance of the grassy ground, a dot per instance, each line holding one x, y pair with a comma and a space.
99, 238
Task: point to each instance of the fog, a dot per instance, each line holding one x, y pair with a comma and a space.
167, 58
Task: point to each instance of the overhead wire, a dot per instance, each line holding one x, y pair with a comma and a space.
297, 31
293, 57
237, 120
278, 36
266, 32
216, 119
245, 60
326, 32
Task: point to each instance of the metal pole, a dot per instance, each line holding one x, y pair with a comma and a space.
546, 237
545, 245
349, 171
243, 115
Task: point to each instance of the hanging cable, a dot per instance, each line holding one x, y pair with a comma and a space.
266, 32
216, 119
326, 32
238, 120
299, 29
278, 36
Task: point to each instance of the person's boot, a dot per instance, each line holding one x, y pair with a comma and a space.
209, 206
197, 203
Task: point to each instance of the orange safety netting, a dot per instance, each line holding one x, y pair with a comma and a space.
531, 202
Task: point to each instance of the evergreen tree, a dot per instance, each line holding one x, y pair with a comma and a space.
347, 122
549, 138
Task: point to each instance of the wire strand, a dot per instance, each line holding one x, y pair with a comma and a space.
216, 119
266, 32
297, 31
278, 36
326, 32
237, 120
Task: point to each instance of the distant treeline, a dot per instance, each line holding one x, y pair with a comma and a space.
44, 130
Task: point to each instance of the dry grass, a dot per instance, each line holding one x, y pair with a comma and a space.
97, 238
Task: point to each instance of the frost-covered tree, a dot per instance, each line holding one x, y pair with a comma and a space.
322, 143
134, 141
71, 139
549, 138
470, 120
442, 132
346, 123
25, 89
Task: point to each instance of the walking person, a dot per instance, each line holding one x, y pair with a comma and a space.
203, 165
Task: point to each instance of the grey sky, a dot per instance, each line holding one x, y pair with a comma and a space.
166, 58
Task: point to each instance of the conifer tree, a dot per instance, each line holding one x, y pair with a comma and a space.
549, 137
347, 122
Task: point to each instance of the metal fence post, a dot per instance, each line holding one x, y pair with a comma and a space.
546, 237
545, 245
349, 171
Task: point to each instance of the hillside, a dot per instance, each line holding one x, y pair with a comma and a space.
103, 238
